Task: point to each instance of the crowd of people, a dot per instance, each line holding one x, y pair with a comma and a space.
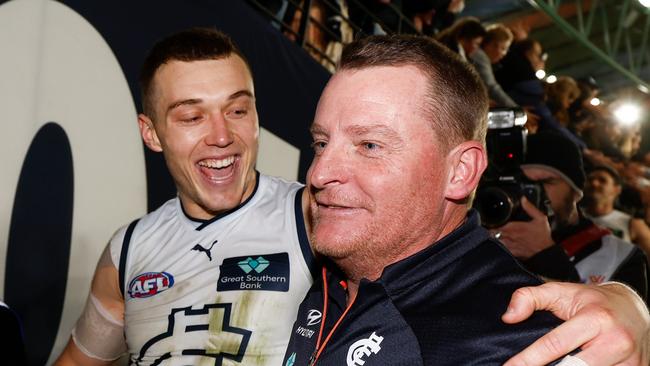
577, 136
334, 23
594, 222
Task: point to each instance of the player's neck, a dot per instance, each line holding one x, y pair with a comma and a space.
598, 209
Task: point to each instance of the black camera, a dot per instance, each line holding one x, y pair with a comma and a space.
498, 198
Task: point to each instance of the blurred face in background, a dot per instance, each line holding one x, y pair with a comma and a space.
601, 187
496, 50
636, 139
470, 45
456, 6
567, 99
613, 131
536, 57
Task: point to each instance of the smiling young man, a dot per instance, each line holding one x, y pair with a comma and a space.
213, 164
215, 276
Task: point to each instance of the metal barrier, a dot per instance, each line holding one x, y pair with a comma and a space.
618, 40
336, 11
598, 14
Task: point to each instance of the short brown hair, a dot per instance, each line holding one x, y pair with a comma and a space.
497, 33
456, 100
564, 86
463, 28
194, 44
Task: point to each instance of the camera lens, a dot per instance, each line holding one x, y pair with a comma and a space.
494, 205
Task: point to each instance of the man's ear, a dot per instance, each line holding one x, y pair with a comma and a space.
468, 161
148, 133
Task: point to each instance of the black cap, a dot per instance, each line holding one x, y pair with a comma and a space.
609, 170
551, 150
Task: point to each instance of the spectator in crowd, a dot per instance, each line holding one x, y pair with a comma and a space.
630, 141
327, 31
375, 16
582, 114
593, 123
631, 200
603, 140
603, 188
560, 95
432, 16
496, 43
339, 32
316, 35
569, 247
583, 104
517, 77
524, 58
464, 37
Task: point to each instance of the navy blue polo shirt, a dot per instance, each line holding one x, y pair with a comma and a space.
441, 306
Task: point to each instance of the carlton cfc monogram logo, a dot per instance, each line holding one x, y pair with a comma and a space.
363, 348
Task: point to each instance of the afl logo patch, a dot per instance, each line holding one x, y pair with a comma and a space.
150, 283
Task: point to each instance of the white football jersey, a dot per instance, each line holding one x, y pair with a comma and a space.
602, 264
219, 292
617, 221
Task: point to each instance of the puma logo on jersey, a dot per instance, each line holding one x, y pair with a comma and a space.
200, 248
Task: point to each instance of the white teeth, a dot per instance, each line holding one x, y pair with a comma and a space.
218, 164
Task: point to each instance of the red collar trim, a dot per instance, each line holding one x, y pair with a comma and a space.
578, 241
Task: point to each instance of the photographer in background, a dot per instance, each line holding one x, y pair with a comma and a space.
568, 246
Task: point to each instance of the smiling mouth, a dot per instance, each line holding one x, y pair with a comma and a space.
217, 170
334, 207
217, 163
333, 211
